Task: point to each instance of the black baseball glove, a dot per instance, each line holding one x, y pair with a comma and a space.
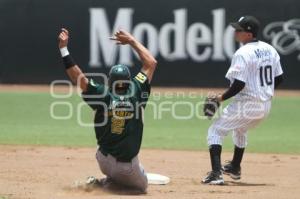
211, 106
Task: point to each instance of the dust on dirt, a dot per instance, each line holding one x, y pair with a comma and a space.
39, 172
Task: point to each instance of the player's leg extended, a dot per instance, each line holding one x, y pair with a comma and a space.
228, 121
131, 174
215, 139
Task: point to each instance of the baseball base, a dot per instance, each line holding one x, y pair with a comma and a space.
157, 179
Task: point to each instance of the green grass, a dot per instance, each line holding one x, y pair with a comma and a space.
25, 119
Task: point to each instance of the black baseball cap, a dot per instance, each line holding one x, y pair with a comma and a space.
247, 24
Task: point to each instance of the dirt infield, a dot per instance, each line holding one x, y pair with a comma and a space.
29, 172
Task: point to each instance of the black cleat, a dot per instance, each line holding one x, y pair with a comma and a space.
233, 172
213, 178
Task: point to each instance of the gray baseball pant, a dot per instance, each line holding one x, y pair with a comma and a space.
130, 174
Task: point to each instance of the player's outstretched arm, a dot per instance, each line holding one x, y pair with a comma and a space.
72, 69
149, 62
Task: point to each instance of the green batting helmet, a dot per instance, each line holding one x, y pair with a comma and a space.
118, 73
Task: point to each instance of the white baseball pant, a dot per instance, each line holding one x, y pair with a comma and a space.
239, 116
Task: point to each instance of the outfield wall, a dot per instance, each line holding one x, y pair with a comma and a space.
191, 39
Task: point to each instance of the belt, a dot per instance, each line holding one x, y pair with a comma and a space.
119, 159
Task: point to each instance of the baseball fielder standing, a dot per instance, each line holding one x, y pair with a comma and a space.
254, 73
119, 108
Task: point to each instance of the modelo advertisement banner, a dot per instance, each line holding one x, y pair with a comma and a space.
192, 40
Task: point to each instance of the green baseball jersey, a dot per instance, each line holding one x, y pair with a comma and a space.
119, 118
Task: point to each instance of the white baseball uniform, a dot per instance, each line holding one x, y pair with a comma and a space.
257, 64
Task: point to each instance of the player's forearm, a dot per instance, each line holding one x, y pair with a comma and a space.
77, 77
74, 72
145, 55
234, 89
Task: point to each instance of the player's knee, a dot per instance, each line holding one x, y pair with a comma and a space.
143, 187
141, 184
214, 137
240, 141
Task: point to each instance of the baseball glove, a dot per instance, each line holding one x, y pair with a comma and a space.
211, 106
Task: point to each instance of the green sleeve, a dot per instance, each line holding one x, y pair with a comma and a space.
95, 94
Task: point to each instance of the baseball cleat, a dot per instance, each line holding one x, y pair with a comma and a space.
92, 181
214, 178
233, 172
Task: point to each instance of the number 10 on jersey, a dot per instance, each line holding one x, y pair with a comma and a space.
265, 74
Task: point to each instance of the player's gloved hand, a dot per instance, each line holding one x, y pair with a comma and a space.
211, 105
